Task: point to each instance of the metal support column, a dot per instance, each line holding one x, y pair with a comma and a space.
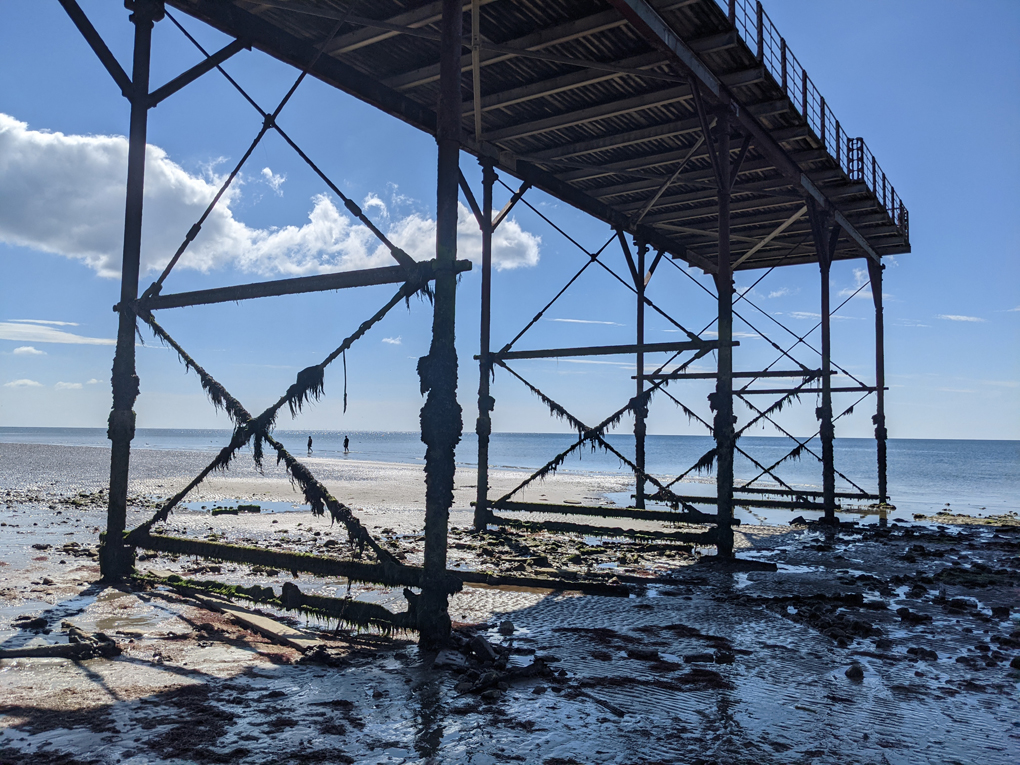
116, 561
723, 397
640, 412
441, 423
875, 272
483, 425
826, 235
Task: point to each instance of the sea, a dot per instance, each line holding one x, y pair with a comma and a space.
925, 475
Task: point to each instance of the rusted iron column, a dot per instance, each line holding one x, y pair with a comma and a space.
825, 233
722, 401
483, 425
875, 272
441, 423
116, 560
640, 412
826, 428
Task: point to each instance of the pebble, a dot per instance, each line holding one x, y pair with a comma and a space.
855, 672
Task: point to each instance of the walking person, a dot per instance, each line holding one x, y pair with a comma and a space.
309, 444
347, 444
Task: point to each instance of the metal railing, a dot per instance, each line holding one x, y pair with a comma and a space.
852, 155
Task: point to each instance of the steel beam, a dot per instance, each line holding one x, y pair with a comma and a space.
811, 373
321, 283
607, 350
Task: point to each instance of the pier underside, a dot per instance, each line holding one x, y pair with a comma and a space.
687, 126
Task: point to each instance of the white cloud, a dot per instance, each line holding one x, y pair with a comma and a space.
46, 321
587, 321
1013, 310
781, 292
22, 384
28, 350
392, 340
956, 317
67, 386
274, 181
32, 333
65, 194
93, 381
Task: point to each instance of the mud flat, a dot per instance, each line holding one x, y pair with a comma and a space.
861, 645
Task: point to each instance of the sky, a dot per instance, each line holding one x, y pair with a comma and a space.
904, 74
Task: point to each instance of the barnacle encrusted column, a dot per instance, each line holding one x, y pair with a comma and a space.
826, 233
722, 402
875, 273
641, 410
116, 560
441, 422
483, 425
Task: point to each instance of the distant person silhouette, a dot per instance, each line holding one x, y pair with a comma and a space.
347, 444
309, 444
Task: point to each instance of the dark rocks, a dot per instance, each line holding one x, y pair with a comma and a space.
923, 653
1015, 662
855, 672
912, 617
506, 627
702, 658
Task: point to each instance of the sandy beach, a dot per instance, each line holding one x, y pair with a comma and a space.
898, 644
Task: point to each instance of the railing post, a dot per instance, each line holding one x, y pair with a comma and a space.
732, 12
116, 560
760, 33
821, 112
782, 56
839, 145
804, 96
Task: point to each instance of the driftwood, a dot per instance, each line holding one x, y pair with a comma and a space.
82, 645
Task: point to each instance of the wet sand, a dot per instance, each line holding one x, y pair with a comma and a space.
710, 665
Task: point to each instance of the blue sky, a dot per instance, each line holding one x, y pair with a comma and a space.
941, 119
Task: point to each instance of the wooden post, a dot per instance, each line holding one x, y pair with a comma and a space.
875, 273
483, 425
441, 423
116, 560
723, 398
640, 412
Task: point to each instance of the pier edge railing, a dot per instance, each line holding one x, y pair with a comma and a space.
852, 154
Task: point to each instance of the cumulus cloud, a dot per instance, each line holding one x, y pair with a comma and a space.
781, 292
22, 384
392, 340
957, 317
65, 194
28, 350
38, 333
274, 181
93, 381
67, 386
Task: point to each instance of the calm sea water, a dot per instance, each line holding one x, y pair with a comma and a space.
978, 477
